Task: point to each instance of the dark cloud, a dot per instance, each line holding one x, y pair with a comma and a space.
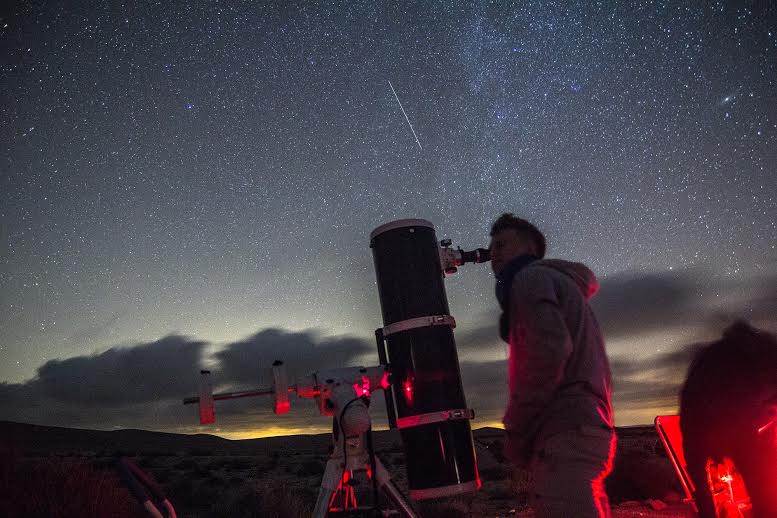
674, 362
123, 375
477, 336
645, 395
485, 386
142, 385
627, 304
249, 361
634, 304
653, 381
759, 303
137, 386
630, 304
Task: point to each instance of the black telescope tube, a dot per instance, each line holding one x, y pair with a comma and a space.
429, 403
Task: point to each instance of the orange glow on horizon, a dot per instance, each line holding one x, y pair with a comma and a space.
271, 431
627, 417
282, 431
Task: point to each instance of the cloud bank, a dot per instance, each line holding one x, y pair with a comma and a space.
142, 385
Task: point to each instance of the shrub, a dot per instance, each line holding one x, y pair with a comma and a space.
460, 507
200, 452
397, 460
495, 473
199, 471
162, 475
146, 462
55, 488
274, 500
311, 468
123, 453
186, 464
189, 495
497, 450
640, 477
236, 463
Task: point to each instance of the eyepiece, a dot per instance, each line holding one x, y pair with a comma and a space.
479, 255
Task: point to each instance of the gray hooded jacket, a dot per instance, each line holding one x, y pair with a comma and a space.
559, 376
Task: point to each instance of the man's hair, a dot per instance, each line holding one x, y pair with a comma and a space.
524, 229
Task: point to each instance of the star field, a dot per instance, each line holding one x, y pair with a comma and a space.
212, 170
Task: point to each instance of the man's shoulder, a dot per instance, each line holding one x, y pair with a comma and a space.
535, 277
556, 279
539, 270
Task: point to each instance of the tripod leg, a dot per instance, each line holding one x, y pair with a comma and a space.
329, 484
392, 491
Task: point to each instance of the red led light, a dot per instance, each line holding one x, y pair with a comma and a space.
282, 407
363, 388
384, 381
408, 389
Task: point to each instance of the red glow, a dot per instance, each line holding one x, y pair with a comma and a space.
384, 381
282, 407
668, 427
346, 494
766, 426
207, 414
408, 389
725, 482
363, 388
597, 486
727, 487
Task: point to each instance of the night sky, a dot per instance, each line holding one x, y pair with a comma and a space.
185, 186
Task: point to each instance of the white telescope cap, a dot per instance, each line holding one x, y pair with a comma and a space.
400, 223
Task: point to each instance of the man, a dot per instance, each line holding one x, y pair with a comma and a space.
558, 419
728, 410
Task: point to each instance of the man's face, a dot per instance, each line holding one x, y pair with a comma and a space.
505, 246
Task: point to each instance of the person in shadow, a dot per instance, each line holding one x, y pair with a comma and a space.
728, 414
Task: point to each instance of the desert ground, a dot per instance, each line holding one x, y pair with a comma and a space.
48, 471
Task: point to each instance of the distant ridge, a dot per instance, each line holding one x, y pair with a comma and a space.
46, 440
42, 440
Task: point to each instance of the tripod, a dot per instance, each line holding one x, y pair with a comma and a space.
352, 457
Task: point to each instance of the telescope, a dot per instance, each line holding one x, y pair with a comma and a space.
426, 399
418, 372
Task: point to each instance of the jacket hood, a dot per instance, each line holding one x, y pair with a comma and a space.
578, 272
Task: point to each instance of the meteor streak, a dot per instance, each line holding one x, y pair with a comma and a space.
405, 114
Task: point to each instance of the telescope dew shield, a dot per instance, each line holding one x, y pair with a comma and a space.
429, 403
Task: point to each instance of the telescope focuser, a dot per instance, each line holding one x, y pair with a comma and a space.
451, 259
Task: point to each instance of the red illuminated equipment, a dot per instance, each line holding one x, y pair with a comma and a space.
726, 484
342, 394
145, 489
